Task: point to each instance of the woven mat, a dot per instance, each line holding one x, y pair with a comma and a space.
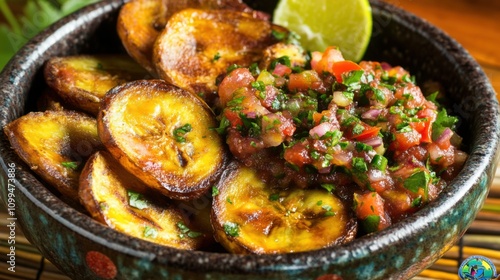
482, 238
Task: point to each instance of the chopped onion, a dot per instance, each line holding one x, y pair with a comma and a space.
375, 175
340, 99
251, 115
374, 141
282, 70
460, 157
321, 129
386, 66
444, 137
325, 170
371, 114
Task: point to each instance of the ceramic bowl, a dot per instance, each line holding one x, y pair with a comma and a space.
85, 249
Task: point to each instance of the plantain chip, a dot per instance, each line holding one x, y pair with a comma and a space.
82, 81
199, 45
163, 135
55, 144
141, 21
114, 197
250, 216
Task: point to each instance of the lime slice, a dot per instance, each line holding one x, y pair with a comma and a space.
346, 24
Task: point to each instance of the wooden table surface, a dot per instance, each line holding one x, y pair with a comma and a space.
473, 23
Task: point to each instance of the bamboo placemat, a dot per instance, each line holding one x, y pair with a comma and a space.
482, 238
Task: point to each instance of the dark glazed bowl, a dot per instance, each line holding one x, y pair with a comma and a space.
84, 249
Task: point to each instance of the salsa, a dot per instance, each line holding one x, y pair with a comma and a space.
364, 131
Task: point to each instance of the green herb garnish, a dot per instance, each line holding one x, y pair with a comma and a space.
137, 200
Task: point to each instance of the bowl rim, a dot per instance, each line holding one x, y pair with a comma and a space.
481, 160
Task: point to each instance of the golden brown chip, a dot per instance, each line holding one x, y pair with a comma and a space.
112, 196
250, 216
82, 81
55, 144
199, 45
163, 135
141, 21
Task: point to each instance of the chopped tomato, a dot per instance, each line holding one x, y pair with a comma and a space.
238, 78
425, 130
343, 67
322, 62
304, 80
297, 155
405, 140
282, 70
371, 204
367, 132
233, 118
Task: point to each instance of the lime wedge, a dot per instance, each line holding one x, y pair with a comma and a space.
346, 24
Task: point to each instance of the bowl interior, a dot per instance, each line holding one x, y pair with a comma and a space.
398, 38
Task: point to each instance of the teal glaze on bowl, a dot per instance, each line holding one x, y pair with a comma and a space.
84, 249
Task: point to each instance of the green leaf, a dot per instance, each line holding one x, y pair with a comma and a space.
70, 165
150, 232
443, 120
136, 200
371, 223
232, 229
418, 180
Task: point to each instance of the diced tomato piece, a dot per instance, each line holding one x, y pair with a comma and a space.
233, 118
282, 70
405, 140
371, 204
411, 95
315, 61
297, 155
238, 78
303, 81
343, 67
325, 62
425, 130
367, 132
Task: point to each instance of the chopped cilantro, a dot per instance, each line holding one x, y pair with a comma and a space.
187, 231
259, 85
443, 121
274, 197
279, 35
328, 187
359, 164
232, 229
150, 232
362, 147
224, 123
358, 129
353, 77
418, 180
379, 162
216, 57
136, 200
215, 191
180, 133
371, 223
70, 165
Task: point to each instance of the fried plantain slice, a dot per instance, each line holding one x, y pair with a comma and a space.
141, 21
250, 216
114, 197
199, 45
163, 135
55, 144
82, 81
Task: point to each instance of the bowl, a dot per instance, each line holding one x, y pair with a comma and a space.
85, 249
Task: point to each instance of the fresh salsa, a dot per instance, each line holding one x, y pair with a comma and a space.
364, 131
